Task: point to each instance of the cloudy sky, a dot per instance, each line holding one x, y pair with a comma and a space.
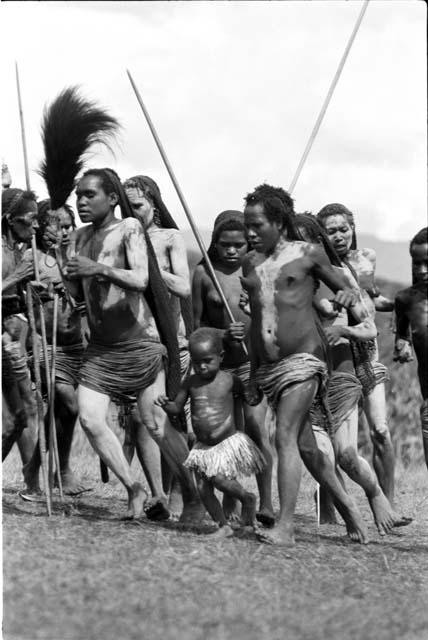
234, 89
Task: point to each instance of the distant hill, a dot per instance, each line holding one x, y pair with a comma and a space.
393, 259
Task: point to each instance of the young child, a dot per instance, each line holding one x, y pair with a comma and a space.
411, 308
221, 453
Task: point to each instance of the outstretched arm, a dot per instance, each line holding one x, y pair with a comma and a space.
178, 281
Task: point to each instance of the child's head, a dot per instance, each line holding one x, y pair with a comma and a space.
206, 351
419, 253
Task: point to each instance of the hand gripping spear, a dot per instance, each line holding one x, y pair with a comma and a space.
184, 204
30, 309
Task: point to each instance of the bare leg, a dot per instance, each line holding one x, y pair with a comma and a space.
292, 411
358, 469
327, 513
256, 429
213, 506
320, 464
172, 444
93, 410
66, 412
247, 499
383, 452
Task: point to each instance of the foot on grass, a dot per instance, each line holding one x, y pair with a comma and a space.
266, 518
382, 512
355, 525
32, 496
155, 509
137, 496
278, 536
193, 513
222, 532
71, 486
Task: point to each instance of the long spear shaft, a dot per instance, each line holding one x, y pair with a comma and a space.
21, 118
183, 201
53, 449
328, 97
42, 437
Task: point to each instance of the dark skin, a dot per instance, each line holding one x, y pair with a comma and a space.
15, 272
208, 310
411, 306
69, 332
213, 404
279, 278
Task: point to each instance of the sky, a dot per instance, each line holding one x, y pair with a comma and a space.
234, 89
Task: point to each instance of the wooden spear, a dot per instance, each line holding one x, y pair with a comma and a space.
40, 411
37, 275
328, 97
184, 203
53, 444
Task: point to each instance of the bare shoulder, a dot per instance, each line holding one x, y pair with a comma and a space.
226, 379
200, 273
130, 225
314, 252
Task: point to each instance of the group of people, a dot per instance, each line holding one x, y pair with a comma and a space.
200, 393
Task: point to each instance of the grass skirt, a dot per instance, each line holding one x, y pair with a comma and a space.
344, 392
234, 456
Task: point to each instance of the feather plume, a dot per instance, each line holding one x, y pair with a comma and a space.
70, 126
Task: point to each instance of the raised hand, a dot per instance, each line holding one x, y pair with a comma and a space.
236, 331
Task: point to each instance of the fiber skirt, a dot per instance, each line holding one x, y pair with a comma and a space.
123, 368
234, 456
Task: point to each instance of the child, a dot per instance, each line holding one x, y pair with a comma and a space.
411, 308
220, 452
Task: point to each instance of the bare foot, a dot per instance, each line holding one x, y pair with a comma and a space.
155, 508
31, 479
355, 525
279, 535
382, 512
32, 496
137, 496
248, 516
193, 513
222, 532
71, 486
266, 518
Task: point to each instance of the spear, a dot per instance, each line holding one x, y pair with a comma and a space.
53, 449
30, 299
42, 437
184, 203
328, 97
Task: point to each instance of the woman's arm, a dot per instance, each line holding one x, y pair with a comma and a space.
178, 281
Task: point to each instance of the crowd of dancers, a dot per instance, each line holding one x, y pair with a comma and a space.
200, 394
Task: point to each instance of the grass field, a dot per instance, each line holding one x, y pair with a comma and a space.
85, 575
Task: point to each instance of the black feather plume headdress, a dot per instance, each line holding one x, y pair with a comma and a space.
70, 126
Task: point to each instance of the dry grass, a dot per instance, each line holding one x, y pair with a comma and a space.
89, 576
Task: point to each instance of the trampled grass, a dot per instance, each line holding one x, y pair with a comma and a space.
85, 575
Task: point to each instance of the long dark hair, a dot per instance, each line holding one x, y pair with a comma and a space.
156, 293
